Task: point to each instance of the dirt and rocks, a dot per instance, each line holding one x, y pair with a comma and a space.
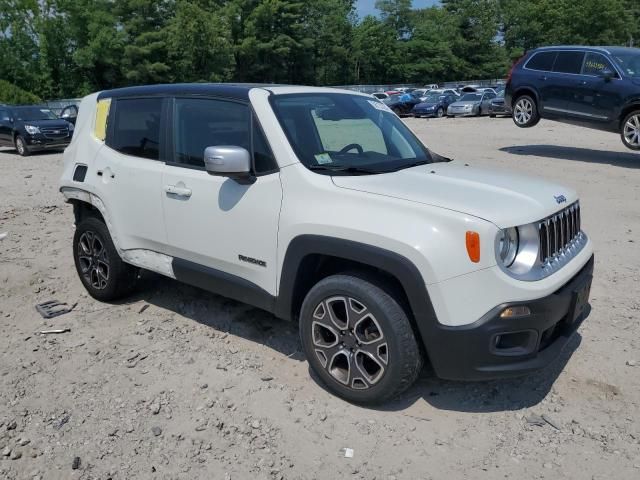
175, 383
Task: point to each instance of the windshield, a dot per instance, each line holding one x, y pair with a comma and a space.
432, 98
629, 62
34, 113
342, 133
471, 97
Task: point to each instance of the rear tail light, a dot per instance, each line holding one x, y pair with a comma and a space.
515, 64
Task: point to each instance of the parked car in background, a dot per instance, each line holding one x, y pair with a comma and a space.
497, 106
31, 128
445, 91
595, 87
432, 86
471, 105
402, 104
433, 105
69, 113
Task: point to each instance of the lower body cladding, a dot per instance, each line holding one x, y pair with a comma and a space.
513, 338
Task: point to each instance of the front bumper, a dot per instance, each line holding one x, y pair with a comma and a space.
475, 351
39, 141
499, 110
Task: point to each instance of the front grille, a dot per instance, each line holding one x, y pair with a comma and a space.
558, 232
55, 133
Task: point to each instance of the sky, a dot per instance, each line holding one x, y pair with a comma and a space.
366, 7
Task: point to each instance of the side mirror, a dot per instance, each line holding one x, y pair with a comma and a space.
607, 75
229, 161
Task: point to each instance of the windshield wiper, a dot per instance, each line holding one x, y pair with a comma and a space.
338, 169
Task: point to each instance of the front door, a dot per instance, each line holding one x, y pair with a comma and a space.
596, 99
215, 224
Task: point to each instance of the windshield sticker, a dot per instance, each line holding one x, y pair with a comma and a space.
380, 106
323, 158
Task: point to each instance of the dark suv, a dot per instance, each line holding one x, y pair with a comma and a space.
31, 128
596, 87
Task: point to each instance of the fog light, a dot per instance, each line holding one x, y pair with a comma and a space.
518, 311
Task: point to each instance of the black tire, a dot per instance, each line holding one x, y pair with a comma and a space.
492, 115
101, 270
383, 322
630, 130
21, 146
440, 112
525, 112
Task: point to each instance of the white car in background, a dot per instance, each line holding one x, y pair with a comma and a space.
321, 206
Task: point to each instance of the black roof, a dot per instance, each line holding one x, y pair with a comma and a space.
239, 91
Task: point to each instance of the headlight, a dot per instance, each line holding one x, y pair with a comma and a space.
31, 130
507, 247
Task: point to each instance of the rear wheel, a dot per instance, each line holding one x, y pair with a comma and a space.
630, 131
358, 339
100, 268
21, 146
440, 112
525, 112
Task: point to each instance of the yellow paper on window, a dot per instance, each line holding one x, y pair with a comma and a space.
102, 112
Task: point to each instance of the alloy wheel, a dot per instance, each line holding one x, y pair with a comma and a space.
349, 342
20, 145
94, 262
632, 131
523, 111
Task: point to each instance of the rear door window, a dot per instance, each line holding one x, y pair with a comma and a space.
542, 61
136, 127
569, 62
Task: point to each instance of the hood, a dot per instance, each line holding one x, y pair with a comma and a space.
503, 198
466, 102
427, 104
57, 123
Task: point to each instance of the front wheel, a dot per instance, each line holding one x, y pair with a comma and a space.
525, 112
358, 339
630, 131
21, 147
100, 268
440, 112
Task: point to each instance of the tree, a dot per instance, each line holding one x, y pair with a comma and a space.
398, 14
199, 43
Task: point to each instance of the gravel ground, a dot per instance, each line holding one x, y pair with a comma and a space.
175, 383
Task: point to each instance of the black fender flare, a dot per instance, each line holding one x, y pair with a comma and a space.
391, 263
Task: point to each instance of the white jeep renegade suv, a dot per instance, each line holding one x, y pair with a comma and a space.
321, 205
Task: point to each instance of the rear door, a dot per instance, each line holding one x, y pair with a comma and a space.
129, 170
562, 83
216, 226
596, 99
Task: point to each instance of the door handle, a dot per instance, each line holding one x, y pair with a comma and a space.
543, 77
583, 82
178, 191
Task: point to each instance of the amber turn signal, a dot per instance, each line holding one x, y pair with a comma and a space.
473, 246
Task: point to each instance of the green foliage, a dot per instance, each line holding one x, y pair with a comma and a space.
12, 95
67, 48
